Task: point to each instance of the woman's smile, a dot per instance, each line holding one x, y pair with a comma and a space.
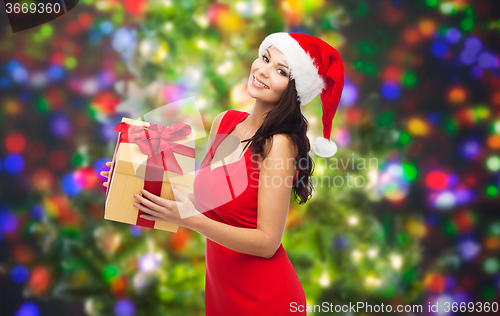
258, 83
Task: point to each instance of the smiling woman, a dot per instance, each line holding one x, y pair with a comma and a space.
248, 272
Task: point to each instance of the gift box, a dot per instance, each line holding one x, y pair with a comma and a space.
151, 157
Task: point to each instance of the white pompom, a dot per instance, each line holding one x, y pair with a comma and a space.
324, 147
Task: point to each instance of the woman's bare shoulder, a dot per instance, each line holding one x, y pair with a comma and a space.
217, 120
281, 144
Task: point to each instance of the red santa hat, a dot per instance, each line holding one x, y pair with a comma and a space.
316, 68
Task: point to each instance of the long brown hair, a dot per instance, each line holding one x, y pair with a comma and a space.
287, 118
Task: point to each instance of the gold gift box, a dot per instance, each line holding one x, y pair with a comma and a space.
127, 179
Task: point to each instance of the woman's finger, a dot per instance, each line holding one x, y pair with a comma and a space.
158, 200
151, 218
148, 203
105, 184
148, 210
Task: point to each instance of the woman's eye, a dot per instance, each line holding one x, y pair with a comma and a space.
265, 58
282, 72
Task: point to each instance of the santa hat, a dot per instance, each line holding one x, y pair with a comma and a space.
317, 68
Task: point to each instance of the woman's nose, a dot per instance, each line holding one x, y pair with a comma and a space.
264, 71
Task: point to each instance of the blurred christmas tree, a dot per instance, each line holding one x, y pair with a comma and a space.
78, 76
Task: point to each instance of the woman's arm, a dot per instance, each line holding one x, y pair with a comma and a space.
275, 186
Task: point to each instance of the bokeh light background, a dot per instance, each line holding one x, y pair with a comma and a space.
422, 98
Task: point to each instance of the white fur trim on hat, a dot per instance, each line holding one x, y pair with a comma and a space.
324, 147
307, 80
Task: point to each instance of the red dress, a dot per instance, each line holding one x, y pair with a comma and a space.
237, 283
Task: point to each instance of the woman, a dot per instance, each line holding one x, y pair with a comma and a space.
242, 199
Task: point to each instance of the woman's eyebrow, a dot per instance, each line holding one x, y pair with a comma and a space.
272, 57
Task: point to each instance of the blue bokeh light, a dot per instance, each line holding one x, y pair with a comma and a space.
8, 222
468, 57
123, 40
106, 27
5, 83
100, 165
476, 72
60, 125
487, 60
391, 90
439, 48
19, 274
470, 149
135, 230
70, 186
433, 118
28, 309
349, 94
473, 44
431, 219
55, 72
14, 163
124, 307
37, 212
453, 35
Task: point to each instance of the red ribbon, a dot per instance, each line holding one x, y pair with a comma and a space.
156, 141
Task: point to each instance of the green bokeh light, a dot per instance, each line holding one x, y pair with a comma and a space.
494, 229
46, 30
110, 272
42, 105
450, 228
409, 276
495, 127
70, 62
489, 293
491, 265
364, 48
467, 24
80, 159
404, 138
366, 68
431, 3
409, 172
491, 191
447, 8
409, 79
482, 111
386, 118
451, 126
402, 238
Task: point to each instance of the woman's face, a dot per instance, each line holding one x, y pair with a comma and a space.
273, 74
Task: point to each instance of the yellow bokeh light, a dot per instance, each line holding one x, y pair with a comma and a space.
418, 127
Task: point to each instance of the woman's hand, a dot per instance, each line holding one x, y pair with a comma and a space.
107, 173
160, 209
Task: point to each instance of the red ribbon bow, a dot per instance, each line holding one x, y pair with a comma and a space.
156, 139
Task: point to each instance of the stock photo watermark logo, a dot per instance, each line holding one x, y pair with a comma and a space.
25, 14
359, 167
